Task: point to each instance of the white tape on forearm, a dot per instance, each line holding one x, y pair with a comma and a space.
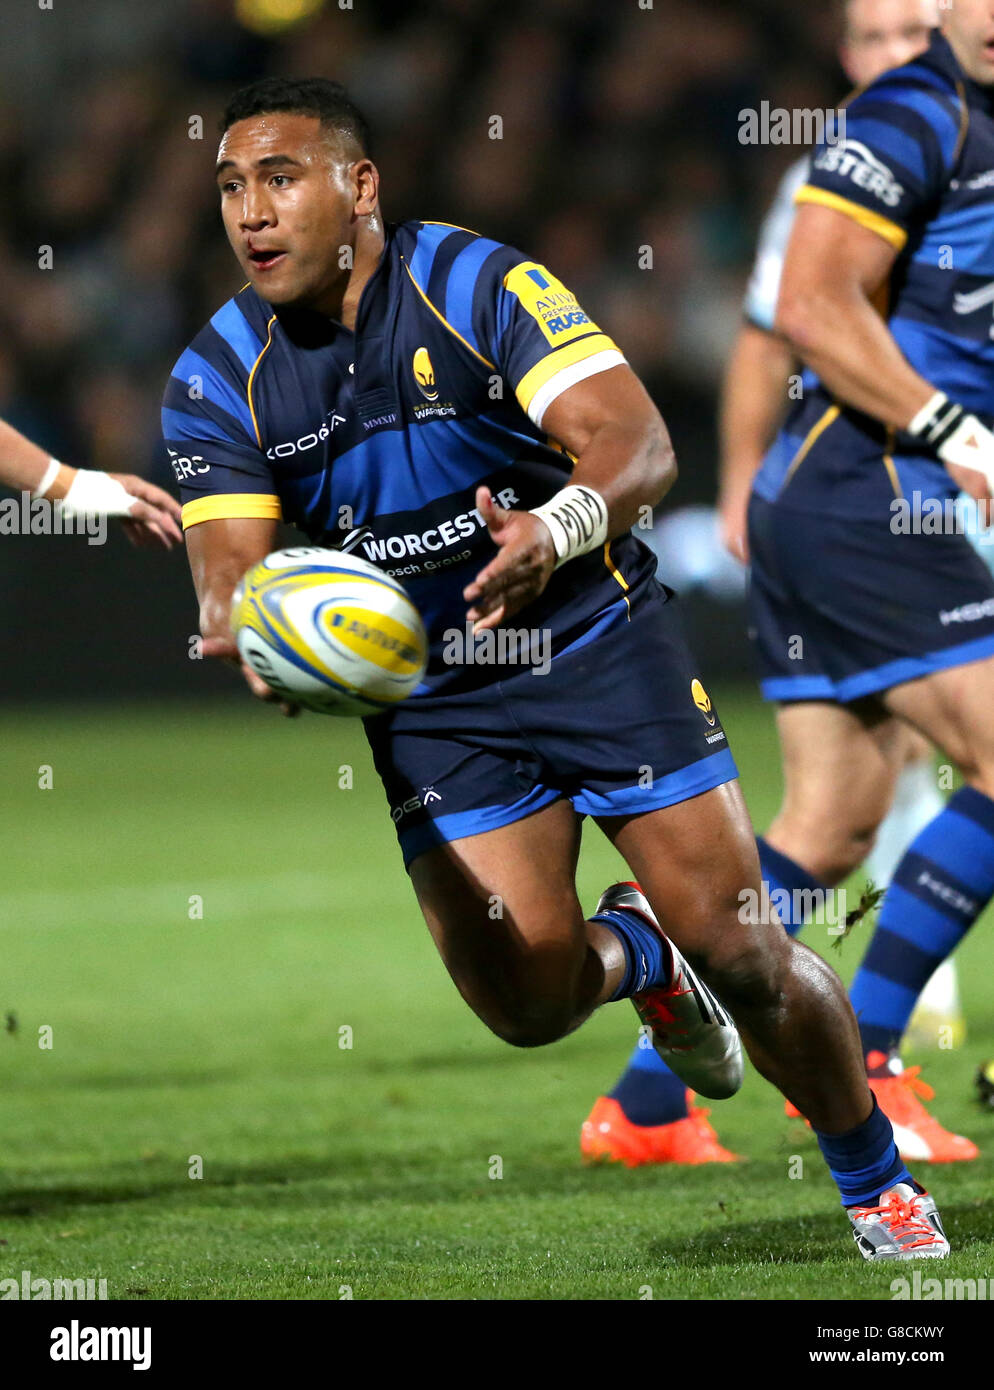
577, 521
97, 494
971, 445
958, 438
48, 478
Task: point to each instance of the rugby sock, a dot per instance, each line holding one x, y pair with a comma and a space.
785, 880
865, 1162
648, 1091
647, 956
939, 889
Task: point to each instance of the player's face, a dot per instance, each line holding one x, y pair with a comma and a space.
969, 27
882, 34
290, 204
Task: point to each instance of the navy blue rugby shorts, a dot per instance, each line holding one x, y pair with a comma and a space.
841, 608
618, 723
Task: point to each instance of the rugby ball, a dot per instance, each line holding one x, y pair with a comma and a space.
329, 631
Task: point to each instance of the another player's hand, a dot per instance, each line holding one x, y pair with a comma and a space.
154, 520
977, 486
224, 649
732, 513
518, 572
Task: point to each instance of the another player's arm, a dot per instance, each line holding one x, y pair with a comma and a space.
220, 551
753, 398
150, 515
835, 268
623, 453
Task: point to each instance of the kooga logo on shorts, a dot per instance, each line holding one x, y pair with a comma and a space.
852, 160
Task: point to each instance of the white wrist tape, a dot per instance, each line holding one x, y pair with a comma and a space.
48, 478
98, 494
957, 437
577, 520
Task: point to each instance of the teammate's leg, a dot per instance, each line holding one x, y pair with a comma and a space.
841, 765
946, 878
840, 768
938, 1015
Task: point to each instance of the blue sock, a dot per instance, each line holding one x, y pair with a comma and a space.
938, 891
785, 880
865, 1161
647, 956
647, 1091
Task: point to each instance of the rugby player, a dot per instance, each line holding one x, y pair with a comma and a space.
150, 516
451, 395
866, 621
648, 1116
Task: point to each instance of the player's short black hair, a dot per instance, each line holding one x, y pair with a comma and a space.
305, 96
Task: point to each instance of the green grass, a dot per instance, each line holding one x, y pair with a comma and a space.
324, 1166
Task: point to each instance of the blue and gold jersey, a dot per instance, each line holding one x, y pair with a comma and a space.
460, 346
916, 166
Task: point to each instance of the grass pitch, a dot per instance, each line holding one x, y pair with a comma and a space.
205, 919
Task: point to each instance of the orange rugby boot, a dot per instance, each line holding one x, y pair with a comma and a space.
609, 1136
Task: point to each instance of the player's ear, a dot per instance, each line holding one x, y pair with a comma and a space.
366, 183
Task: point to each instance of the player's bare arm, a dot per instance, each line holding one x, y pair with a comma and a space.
754, 396
622, 451
836, 273
151, 516
220, 552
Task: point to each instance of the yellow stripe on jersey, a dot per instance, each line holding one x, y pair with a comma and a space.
883, 226
609, 561
568, 356
814, 434
232, 506
251, 378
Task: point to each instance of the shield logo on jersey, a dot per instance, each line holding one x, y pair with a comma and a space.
702, 700
424, 375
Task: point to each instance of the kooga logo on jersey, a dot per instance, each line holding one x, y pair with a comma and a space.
852, 160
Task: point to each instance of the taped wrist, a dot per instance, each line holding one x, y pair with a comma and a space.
577, 521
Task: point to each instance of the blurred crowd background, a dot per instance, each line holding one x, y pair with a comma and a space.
620, 131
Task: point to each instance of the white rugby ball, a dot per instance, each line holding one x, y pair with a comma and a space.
329, 631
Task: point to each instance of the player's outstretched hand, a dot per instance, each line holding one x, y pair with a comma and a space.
518, 572
224, 649
154, 519
734, 526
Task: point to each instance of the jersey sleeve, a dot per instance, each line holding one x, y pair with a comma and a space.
894, 153
210, 437
541, 340
763, 289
